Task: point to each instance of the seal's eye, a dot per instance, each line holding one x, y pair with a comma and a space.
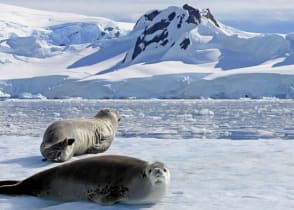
164, 170
149, 171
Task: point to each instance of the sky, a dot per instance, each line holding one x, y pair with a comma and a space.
250, 15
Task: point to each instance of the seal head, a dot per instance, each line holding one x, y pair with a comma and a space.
153, 187
109, 114
158, 173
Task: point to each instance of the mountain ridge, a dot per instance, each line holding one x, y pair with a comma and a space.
173, 34
62, 55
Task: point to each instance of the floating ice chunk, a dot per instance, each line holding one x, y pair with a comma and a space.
56, 114
38, 96
265, 134
196, 112
141, 114
203, 112
4, 95
75, 109
27, 95
155, 118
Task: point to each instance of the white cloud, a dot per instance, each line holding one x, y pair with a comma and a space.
131, 9
249, 4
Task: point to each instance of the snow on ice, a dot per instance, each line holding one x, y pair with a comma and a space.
209, 174
200, 141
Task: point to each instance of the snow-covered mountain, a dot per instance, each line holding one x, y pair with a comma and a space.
32, 33
163, 32
195, 36
178, 52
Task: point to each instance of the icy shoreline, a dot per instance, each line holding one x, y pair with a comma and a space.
278, 84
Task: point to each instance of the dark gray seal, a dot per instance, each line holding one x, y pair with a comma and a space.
106, 180
66, 138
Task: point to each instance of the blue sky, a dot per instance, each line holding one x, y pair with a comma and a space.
250, 15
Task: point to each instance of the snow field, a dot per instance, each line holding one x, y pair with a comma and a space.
205, 174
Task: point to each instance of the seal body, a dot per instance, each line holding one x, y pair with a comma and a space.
66, 138
104, 179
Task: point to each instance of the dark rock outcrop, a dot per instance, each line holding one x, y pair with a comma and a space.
185, 43
163, 31
194, 14
163, 34
209, 16
151, 15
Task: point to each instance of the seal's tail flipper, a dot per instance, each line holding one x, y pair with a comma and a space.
10, 187
8, 182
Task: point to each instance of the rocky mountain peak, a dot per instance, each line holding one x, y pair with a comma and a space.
161, 31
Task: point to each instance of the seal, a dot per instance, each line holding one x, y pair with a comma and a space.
106, 180
66, 138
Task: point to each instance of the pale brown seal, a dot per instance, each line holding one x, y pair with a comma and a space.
106, 180
66, 138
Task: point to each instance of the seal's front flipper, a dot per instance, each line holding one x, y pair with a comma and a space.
116, 193
108, 195
100, 199
101, 147
59, 152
